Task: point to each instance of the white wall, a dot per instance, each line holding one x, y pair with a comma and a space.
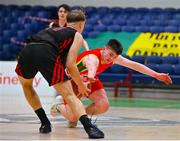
9, 83
97, 3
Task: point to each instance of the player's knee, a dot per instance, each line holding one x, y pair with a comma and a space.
103, 106
69, 97
73, 118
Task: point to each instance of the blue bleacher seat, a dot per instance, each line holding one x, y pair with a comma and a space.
139, 59
107, 21
133, 22
128, 28
93, 34
142, 10
170, 29
156, 29
43, 14
160, 22
100, 28
103, 10
153, 60
155, 10
173, 23
142, 28
166, 68
88, 27
177, 69
114, 28
118, 69
169, 60
152, 66
146, 22
89, 10
116, 10
120, 22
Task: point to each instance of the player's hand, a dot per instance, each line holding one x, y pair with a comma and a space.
83, 90
164, 77
88, 79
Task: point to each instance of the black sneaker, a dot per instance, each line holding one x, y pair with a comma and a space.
45, 128
94, 133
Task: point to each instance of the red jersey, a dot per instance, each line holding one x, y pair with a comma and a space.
97, 53
56, 24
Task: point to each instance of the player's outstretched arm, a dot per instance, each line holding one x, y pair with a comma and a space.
143, 69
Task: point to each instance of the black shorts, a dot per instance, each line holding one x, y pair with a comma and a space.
44, 58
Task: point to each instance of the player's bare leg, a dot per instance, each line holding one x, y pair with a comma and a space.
100, 103
78, 109
34, 101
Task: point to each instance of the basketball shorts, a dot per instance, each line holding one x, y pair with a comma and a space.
44, 58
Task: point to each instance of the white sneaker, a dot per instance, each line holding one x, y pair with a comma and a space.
72, 124
54, 109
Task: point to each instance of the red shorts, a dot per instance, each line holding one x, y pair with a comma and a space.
97, 85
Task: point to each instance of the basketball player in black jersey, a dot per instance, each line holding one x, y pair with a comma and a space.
62, 13
49, 52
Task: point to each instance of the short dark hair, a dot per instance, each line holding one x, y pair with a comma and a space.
76, 16
115, 45
65, 6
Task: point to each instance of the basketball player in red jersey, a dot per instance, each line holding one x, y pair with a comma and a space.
90, 64
49, 52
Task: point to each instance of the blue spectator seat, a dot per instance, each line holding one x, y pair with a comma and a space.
43, 14
93, 34
89, 10
107, 21
156, 29
139, 59
152, 66
170, 29
176, 16
120, 22
176, 76
170, 10
133, 22
116, 10
174, 23
178, 60
118, 69
24, 7
142, 28
114, 28
142, 10
88, 27
169, 60
100, 28
166, 68
153, 60
155, 10
177, 69
103, 10
37, 8
160, 22
146, 22
128, 28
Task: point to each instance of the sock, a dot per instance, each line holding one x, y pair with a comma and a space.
42, 116
85, 121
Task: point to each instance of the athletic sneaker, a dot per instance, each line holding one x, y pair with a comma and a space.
72, 124
54, 109
45, 128
94, 133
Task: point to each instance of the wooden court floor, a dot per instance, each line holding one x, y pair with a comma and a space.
18, 122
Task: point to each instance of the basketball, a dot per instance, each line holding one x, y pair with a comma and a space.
75, 88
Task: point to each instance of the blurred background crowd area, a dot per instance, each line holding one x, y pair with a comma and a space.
104, 20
